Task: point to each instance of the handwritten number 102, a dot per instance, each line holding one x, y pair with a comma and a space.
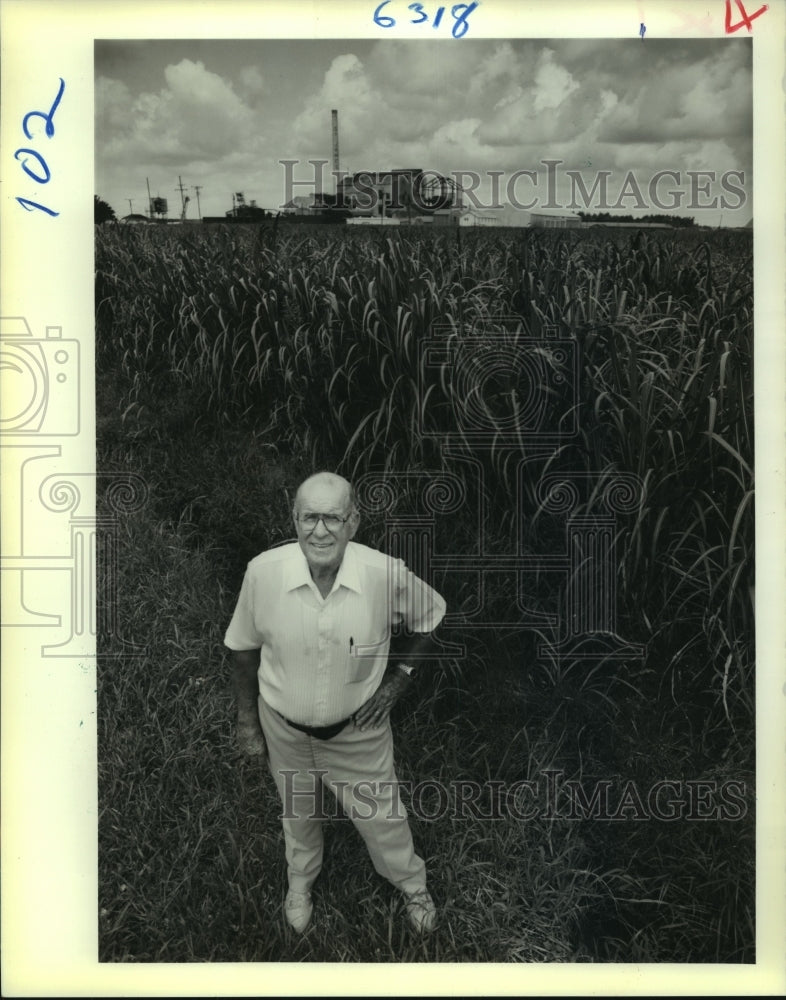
460, 12
25, 152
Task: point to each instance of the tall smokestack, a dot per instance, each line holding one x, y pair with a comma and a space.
334, 118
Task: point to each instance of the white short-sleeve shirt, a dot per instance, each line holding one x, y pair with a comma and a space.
321, 658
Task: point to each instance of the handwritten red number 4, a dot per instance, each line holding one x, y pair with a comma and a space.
747, 19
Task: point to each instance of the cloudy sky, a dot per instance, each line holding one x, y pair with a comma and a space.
223, 114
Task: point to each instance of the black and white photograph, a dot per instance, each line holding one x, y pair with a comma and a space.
413, 568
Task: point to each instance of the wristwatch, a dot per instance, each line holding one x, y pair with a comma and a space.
406, 668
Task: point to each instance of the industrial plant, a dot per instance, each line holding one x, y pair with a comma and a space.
401, 196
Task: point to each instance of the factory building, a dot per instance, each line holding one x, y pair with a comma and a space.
405, 194
301, 204
380, 194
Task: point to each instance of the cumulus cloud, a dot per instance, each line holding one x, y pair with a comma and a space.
422, 70
502, 66
553, 84
705, 99
346, 86
112, 103
534, 103
252, 82
482, 105
197, 115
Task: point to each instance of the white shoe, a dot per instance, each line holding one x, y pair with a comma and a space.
421, 910
298, 909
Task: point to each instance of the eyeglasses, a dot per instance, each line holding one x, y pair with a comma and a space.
331, 521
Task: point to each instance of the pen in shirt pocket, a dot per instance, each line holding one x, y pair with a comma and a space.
351, 644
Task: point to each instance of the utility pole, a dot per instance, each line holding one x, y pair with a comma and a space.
198, 188
130, 205
182, 197
149, 200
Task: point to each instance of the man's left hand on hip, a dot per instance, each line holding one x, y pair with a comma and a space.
373, 713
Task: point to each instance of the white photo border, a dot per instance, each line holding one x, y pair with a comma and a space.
49, 894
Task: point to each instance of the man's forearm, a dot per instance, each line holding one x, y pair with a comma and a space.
409, 648
245, 664
412, 648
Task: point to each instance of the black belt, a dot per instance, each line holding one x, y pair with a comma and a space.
318, 732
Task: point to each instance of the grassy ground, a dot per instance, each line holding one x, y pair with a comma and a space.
191, 856
191, 863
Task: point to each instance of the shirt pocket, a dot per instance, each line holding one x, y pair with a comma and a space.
364, 658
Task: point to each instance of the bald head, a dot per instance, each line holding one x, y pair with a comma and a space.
339, 489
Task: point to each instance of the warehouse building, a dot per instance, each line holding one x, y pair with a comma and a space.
548, 220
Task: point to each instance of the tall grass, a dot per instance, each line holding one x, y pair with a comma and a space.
231, 363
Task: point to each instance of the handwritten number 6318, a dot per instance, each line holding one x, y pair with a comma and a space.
25, 152
459, 11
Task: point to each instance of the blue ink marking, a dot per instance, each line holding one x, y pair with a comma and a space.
383, 20
25, 151
642, 29
28, 171
460, 13
461, 26
50, 125
28, 206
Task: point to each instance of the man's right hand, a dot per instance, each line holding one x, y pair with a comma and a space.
250, 740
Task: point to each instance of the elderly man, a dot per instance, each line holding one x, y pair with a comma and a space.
315, 682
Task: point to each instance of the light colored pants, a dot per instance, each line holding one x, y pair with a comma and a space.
358, 768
